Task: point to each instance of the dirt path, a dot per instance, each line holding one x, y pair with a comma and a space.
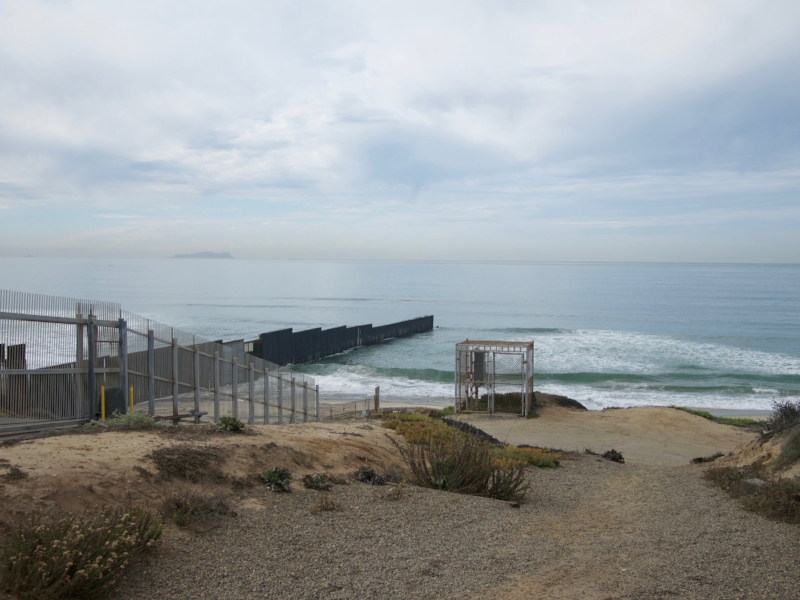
591, 530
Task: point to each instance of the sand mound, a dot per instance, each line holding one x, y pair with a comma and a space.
764, 450
541, 399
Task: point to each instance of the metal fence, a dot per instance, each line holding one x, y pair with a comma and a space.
58, 354
494, 377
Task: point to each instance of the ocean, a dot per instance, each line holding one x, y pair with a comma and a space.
607, 334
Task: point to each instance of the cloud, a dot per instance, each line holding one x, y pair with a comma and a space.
272, 119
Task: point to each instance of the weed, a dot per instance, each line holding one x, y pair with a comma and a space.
397, 492
189, 507
230, 424
14, 474
277, 479
193, 463
790, 453
318, 481
326, 504
75, 557
368, 475
735, 421
132, 420
785, 416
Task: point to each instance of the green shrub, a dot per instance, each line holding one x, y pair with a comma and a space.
278, 479
790, 453
74, 557
230, 424
132, 420
449, 410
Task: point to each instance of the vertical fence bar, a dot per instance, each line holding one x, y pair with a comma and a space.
266, 395
122, 327
196, 378
235, 386
151, 372
316, 403
294, 403
175, 380
78, 365
305, 401
91, 332
280, 398
216, 387
251, 418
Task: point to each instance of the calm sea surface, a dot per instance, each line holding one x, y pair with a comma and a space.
723, 336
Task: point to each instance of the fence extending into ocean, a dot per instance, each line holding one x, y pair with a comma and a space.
59, 356
286, 346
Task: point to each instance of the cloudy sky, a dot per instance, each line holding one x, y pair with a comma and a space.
666, 131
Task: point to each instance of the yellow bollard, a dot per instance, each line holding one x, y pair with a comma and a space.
130, 396
103, 402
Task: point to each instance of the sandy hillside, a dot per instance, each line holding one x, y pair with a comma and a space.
647, 435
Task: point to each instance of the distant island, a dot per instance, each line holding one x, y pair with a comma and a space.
205, 255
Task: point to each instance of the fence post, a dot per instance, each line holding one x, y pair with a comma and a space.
175, 373
266, 394
316, 402
305, 401
294, 403
235, 385
91, 334
196, 378
151, 372
78, 365
216, 387
280, 399
251, 419
123, 360
377, 398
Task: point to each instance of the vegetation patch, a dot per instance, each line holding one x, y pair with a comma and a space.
785, 416
326, 504
230, 424
132, 420
318, 481
777, 499
74, 557
735, 421
614, 456
192, 463
474, 431
14, 474
397, 492
188, 508
278, 479
533, 457
790, 452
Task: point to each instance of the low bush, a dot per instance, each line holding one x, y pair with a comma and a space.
785, 415
192, 463
187, 508
368, 475
230, 424
790, 452
278, 479
326, 504
132, 420
318, 481
74, 557
614, 456
778, 499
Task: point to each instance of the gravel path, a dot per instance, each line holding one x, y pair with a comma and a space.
591, 529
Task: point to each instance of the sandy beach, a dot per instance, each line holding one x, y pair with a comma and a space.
594, 529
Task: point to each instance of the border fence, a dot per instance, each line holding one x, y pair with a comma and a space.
57, 354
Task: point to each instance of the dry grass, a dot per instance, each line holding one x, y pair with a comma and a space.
326, 504
191, 507
74, 557
192, 463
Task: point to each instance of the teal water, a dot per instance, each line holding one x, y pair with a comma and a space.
724, 336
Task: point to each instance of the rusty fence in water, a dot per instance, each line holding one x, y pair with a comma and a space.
59, 356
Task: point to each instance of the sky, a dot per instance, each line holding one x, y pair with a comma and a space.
498, 130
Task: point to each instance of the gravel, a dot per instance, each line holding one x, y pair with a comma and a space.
590, 529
